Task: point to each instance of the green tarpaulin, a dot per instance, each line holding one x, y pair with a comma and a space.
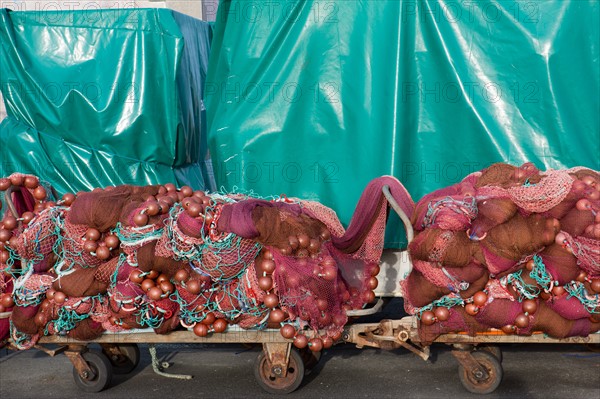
315, 98
96, 98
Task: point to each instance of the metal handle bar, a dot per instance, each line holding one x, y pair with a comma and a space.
407, 224
9, 203
366, 312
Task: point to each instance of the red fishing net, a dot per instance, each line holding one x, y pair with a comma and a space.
529, 245
157, 257
226, 260
307, 293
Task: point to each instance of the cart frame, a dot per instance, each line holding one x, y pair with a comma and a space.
279, 367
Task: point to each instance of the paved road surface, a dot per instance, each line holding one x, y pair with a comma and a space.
226, 371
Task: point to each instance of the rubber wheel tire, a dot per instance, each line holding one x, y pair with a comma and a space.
493, 349
127, 361
279, 385
102, 369
593, 347
494, 370
310, 359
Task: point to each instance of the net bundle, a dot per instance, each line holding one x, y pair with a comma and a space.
163, 258
6, 286
39, 242
72, 248
519, 250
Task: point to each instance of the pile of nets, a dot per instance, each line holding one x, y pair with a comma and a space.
158, 257
509, 248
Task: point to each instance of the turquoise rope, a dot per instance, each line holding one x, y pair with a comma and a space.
577, 290
131, 235
67, 320
19, 338
144, 317
540, 274
447, 301
526, 291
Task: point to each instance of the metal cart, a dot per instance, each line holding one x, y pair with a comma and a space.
280, 367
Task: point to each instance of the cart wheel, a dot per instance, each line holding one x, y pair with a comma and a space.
593, 347
127, 360
102, 369
279, 385
476, 383
310, 359
493, 349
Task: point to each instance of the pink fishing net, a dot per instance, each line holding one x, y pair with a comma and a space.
157, 257
306, 294
532, 231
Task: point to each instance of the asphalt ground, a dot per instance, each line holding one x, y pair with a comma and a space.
344, 371
227, 371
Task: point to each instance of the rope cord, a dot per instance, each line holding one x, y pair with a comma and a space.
157, 367
577, 290
526, 291
540, 274
467, 207
447, 301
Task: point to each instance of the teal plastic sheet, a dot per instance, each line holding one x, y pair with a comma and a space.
104, 97
315, 98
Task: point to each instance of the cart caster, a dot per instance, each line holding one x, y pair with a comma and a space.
123, 357
310, 359
492, 349
269, 380
593, 347
476, 381
100, 376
